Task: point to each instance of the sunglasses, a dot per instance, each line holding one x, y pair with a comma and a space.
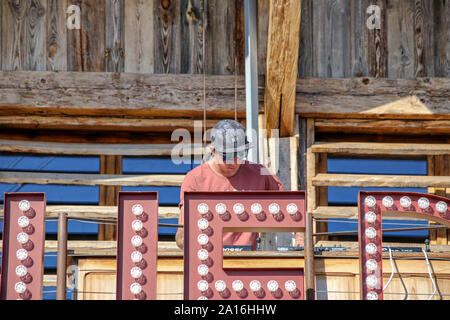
233, 156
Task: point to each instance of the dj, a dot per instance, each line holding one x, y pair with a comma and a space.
228, 171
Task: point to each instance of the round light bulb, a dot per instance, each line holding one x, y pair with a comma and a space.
22, 254
371, 217
423, 203
137, 225
272, 285
371, 233
221, 208
202, 254
256, 208
203, 208
202, 298
371, 265
22, 238
136, 272
237, 285
388, 202
274, 208
135, 288
372, 295
136, 256
203, 224
255, 285
290, 285
292, 208
220, 286
20, 287
203, 239
23, 222
441, 207
136, 241
137, 209
24, 205
238, 208
372, 281
203, 270
202, 285
405, 202
370, 201
371, 248
21, 271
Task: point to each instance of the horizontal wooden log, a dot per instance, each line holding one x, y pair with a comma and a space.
87, 149
385, 127
360, 180
347, 213
91, 179
369, 148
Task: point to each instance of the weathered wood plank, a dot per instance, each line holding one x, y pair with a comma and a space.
306, 53
192, 36
358, 38
263, 31
139, 36
239, 37
355, 180
377, 44
115, 33
424, 38
56, 35
91, 179
442, 38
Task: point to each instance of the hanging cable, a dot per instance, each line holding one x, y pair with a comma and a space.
392, 268
429, 273
204, 71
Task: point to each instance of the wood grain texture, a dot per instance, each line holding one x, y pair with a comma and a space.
306, 54
442, 38
57, 35
263, 30
424, 38
377, 44
358, 38
115, 34
192, 36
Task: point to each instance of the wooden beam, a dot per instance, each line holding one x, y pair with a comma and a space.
360, 180
346, 213
91, 179
282, 60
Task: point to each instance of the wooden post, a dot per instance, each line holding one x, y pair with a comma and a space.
310, 206
62, 257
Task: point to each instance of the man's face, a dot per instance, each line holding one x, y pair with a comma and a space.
229, 164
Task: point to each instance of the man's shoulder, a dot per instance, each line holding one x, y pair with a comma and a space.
197, 171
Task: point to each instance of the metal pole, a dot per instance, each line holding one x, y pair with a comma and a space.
62, 257
251, 77
310, 284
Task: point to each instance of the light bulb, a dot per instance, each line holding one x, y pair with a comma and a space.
21, 254
20, 287
372, 295
370, 201
136, 272
203, 224
371, 248
135, 288
137, 225
202, 285
22, 238
238, 208
202, 298
388, 202
256, 208
202, 254
423, 203
137, 209
23, 222
237, 285
272, 285
371, 233
21, 271
136, 256
203, 208
255, 285
136, 241
203, 239
221, 208
441, 207
203, 270
220, 286
290, 285
405, 202
371, 265
371, 217
24, 205
372, 281
274, 208
292, 208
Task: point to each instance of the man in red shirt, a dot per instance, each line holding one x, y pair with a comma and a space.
228, 171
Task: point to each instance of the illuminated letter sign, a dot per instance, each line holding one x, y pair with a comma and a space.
137, 245
209, 214
23, 246
371, 207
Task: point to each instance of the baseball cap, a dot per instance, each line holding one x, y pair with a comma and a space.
229, 136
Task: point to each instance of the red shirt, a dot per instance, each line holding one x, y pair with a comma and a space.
247, 178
